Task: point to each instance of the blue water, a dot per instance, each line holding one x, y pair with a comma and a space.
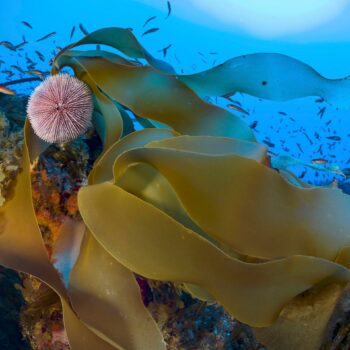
315, 32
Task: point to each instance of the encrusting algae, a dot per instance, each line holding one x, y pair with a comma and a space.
262, 244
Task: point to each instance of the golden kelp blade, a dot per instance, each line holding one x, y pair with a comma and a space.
21, 244
271, 76
79, 336
123, 40
164, 99
249, 206
158, 247
101, 288
211, 145
22, 248
103, 170
106, 296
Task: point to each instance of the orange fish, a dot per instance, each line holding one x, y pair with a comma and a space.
319, 161
6, 91
237, 108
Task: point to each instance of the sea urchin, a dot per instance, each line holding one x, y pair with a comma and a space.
60, 108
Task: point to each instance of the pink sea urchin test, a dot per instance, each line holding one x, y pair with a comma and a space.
60, 108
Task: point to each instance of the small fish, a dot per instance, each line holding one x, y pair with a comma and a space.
237, 108
307, 136
319, 161
40, 55
21, 44
8, 45
83, 30
7, 72
72, 33
321, 112
17, 68
165, 50
213, 53
46, 36
328, 122
98, 47
282, 113
334, 138
36, 72
149, 31
149, 20
6, 91
27, 24
269, 143
300, 149
303, 174
319, 100
169, 9
254, 124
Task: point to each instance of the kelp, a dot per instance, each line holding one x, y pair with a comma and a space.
192, 200
155, 96
158, 247
22, 248
270, 76
124, 41
225, 204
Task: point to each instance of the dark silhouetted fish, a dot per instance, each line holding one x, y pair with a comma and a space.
165, 50
83, 30
169, 9
7, 72
21, 45
307, 136
19, 69
319, 100
254, 124
321, 112
8, 45
299, 146
282, 113
149, 31
40, 55
149, 20
27, 24
46, 36
334, 138
72, 33
269, 143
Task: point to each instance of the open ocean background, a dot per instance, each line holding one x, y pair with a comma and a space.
203, 33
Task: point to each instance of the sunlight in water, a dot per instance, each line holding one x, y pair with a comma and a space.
273, 18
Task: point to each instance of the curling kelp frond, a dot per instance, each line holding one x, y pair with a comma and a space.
194, 202
270, 76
